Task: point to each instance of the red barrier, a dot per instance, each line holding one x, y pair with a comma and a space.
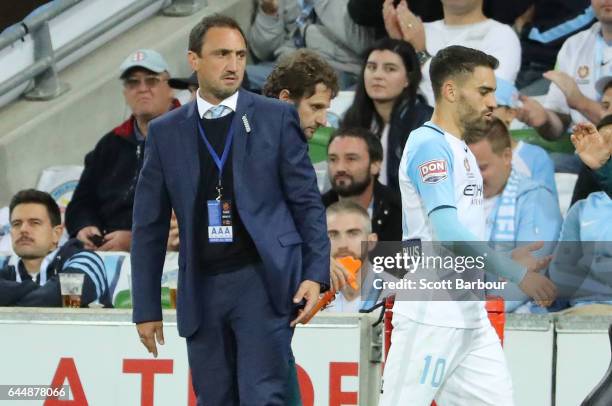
495, 309
388, 319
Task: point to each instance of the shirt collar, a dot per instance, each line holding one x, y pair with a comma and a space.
43, 268
203, 106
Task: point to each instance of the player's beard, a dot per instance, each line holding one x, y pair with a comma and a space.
354, 187
361, 255
473, 121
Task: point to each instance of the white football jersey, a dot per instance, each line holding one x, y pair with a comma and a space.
439, 170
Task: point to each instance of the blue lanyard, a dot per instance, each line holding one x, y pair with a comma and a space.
219, 162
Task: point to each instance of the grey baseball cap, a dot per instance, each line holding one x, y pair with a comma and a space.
144, 58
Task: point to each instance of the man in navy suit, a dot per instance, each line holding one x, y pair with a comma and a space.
253, 240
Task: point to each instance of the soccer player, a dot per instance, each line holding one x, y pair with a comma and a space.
447, 350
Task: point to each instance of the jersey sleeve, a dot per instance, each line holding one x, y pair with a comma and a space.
430, 169
95, 285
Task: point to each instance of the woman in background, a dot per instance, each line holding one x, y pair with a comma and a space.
386, 101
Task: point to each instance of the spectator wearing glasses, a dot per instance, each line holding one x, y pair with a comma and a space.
100, 212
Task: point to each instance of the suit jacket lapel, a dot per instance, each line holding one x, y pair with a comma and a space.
188, 133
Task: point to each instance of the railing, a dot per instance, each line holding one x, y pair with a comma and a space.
43, 70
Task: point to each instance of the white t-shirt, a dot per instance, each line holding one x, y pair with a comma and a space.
489, 36
436, 170
342, 305
585, 57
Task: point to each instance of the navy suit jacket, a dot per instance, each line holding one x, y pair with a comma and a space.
275, 192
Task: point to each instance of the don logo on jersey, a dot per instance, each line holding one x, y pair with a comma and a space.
433, 171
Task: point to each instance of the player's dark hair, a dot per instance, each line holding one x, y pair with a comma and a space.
454, 61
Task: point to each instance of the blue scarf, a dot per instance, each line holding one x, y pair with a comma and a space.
503, 234
504, 229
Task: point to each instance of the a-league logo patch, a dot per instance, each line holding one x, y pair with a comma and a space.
433, 171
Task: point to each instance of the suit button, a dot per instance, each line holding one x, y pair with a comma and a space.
379, 222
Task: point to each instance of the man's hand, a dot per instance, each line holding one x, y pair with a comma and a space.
532, 113
536, 286
269, 7
339, 275
117, 241
568, 86
539, 288
391, 22
84, 235
411, 26
173, 235
591, 146
149, 332
308, 290
522, 20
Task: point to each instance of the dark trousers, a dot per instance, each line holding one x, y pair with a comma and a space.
240, 353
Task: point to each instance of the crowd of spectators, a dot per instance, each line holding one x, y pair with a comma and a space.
554, 73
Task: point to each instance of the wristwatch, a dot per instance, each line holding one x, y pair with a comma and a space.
423, 56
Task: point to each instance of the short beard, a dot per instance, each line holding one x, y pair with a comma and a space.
223, 93
471, 120
479, 125
475, 130
355, 188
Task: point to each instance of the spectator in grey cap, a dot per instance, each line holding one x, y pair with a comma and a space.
100, 213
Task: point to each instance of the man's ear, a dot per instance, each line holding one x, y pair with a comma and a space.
285, 95
449, 91
375, 167
57, 234
194, 60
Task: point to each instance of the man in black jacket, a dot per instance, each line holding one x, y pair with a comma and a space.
100, 212
34, 279
354, 157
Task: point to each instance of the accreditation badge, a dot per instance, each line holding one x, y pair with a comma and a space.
220, 221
